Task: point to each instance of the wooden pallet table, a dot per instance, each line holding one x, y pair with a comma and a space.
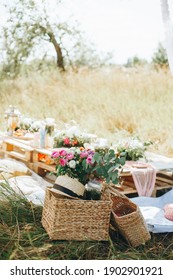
39, 160
18, 149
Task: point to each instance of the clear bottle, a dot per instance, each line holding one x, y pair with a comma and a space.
49, 132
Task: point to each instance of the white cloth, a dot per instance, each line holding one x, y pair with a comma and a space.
153, 213
29, 184
32, 188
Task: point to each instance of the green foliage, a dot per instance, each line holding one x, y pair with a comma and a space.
135, 62
159, 58
107, 166
133, 148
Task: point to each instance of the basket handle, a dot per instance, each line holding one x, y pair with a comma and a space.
116, 192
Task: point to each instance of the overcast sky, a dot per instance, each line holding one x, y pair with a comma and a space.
124, 27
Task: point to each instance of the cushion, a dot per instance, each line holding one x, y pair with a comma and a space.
11, 168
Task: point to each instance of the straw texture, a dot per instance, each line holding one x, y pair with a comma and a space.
69, 183
71, 219
127, 218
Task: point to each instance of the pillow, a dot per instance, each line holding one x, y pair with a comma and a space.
11, 168
24, 184
29, 187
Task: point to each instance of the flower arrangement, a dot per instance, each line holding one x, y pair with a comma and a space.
74, 162
133, 148
37, 125
62, 140
71, 137
86, 164
25, 123
49, 126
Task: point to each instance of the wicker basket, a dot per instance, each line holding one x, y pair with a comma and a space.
128, 220
76, 219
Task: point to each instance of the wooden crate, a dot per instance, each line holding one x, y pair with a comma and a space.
43, 164
1, 148
1, 151
17, 149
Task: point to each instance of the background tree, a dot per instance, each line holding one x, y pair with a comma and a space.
160, 58
31, 32
135, 62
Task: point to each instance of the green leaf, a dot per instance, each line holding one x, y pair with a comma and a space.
97, 157
99, 170
123, 154
115, 176
111, 153
115, 181
112, 169
84, 163
122, 160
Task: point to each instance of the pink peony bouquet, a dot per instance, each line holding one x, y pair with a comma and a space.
74, 162
86, 164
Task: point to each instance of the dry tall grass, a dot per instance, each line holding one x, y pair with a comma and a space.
102, 101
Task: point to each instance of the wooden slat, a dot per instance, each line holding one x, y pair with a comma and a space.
46, 167
16, 155
18, 144
164, 180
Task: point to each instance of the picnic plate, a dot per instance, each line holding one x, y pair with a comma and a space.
139, 165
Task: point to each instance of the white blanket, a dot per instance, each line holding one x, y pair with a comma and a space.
152, 210
29, 184
32, 187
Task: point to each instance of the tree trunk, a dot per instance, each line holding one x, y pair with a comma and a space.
60, 60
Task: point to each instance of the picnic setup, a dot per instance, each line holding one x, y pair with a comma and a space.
85, 184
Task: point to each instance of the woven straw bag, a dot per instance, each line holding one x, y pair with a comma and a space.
66, 218
127, 218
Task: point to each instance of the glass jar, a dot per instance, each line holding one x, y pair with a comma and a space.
49, 132
12, 119
93, 189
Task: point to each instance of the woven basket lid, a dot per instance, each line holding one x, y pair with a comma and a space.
68, 186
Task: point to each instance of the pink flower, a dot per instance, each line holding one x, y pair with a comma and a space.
62, 153
89, 160
83, 154
66, 141
70, 156
55, 154
91, 152
62, 162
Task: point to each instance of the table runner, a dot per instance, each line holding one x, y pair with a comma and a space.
144, 178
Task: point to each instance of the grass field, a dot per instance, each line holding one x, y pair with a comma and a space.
103, 102
23, 237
